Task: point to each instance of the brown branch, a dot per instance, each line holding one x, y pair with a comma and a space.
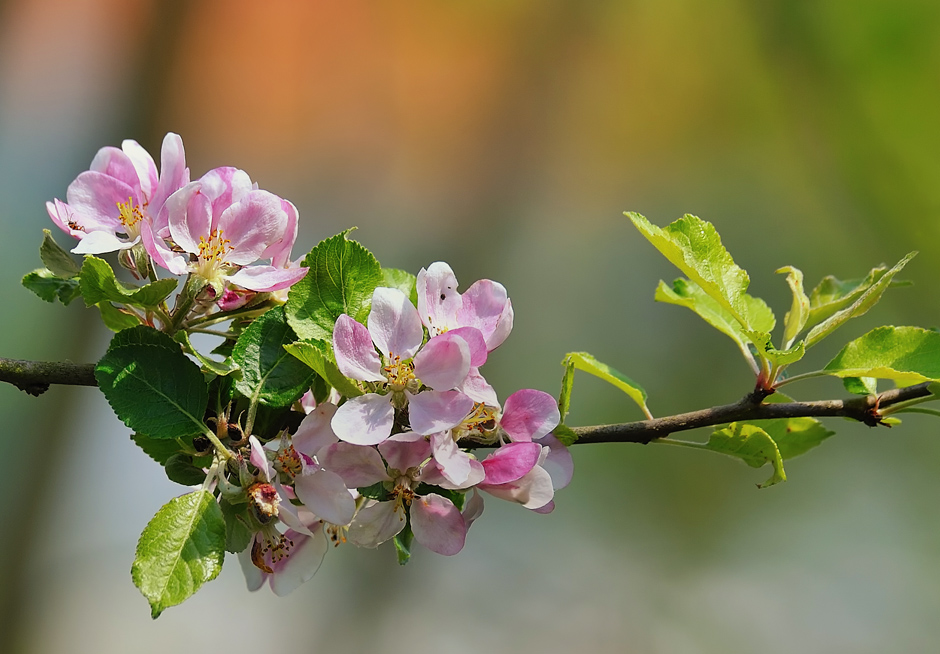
35, 377
864, 409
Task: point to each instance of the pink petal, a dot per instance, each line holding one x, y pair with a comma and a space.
529, 414
325, 494
279, 253
301, 564
486, 306
174, 174
95, 196
259, 459
478, 389
355, 355
254, 577
251, 225
101, 242
115, 163
405, 451
436, 411
548, 508
454, 463
364, 420
375, 523
438, 300
443, 363
472, 507
394, 324
189, 216
315, 432
474, 339
267, 279
534, 490
62, 214
511, 462
358, 465
160, 253
224, 187
437, 524
145, 170
558, 463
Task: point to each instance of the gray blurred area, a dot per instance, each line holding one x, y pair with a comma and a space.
507, 138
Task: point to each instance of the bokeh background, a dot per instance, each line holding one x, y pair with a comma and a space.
507, 138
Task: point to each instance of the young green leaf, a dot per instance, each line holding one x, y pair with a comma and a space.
688, 294
403, 541
566, 435
567, 384
832, 294
99, 284
115, 319
865, 301
151, 385
777, 357
48, 287
219, 368
403, 280
181, 548
158, 449
238, 534
796, 317
59, 262
905, 354
318, 355
752, 445
343, 274
269, 374
861, 385
179, 468
587, 363
693, 245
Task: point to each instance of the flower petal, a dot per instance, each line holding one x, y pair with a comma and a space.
511, 462
558, 463
301, 564
315, 432
438, 299
251, 225
355, 355
267, 279
394, 323
443, 363
529, 414
534, 490
145, 170
101, 242
405, 451
358, 465
189, 216
95, 196
454, 462
478, 389
325, 494
436, 411
475, 342
364, 420
486, 306
375, 523
174, 174
437, 524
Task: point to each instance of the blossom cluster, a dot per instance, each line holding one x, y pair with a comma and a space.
395, 456
212, 228
398, 455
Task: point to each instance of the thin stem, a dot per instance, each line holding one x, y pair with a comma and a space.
801, 377
929, 412
211, 332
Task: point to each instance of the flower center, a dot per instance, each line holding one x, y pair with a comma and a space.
479, 425
130, 214
337, 534
398, 373
402, 495
214, 248
270, 544
264, 500
289, 461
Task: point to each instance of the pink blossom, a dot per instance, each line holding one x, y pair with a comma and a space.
386, 354
120, 196
484, 306
222, 223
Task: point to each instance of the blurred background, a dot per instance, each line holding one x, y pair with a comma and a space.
507, 138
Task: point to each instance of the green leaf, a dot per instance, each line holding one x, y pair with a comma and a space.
179, 468
403, 280
238, 534
567, 384
158, 449
905, 354
689, 294
403, 541
587, 363
793, 436
566, 435
861, 385
181, 548
151, 385
343, 274
318, 355
269, 374
798, 314
862, 303
115, 319
48, 287
59, 262
832, 294
219, 368
99, 284
752, 445
777, 357
693, 246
